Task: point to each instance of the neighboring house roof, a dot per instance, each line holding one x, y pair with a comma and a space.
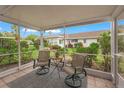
53, 36
7, 34
84, 35
93, 34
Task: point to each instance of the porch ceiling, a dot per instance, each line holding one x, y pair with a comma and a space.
53, 16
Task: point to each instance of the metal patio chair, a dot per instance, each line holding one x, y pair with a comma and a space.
43, 62
76, 71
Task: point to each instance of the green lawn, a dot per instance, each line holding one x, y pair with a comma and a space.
71, 51
121, 65
35, 54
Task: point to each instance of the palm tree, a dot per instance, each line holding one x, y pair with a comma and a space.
15, 31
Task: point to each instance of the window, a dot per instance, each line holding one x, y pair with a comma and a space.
60, 41
74, 40
84, 40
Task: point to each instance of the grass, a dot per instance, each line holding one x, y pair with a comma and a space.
71, 51
121, 65
35, 54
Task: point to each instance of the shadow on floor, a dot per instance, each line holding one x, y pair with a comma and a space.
32, 80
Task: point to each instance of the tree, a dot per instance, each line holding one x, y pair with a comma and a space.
93, 48
31, 37
1, 34
105, 46
37, 43
46, 43
24, 44
16, 32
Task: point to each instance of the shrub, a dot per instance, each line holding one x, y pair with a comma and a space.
24, 44
70, 45
55, 47
46, 44
104, 42
8, 45
82, 50
31, 37
13, 46
37, 43
78, 45
93, 48
121, 43
105, 46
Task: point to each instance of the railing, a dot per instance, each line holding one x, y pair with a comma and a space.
8, 61
11, 60
120, 59
8, 57
96, 61
26, 57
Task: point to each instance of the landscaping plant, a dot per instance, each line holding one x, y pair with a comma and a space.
105, 47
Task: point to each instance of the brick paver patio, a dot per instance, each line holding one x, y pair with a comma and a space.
28, 78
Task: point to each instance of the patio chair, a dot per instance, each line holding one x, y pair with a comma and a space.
43, 62
76, 71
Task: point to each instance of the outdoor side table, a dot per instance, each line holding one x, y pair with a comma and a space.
56, 63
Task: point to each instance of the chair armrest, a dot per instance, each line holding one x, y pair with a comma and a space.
76, 68
85, 73
82, 71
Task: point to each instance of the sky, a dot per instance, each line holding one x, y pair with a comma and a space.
6, 27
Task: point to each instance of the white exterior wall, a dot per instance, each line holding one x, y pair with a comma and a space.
87, 42
55, 41
80, 40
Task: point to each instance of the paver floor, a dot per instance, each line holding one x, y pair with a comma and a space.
27, 78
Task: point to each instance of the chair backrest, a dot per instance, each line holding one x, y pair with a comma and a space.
44, 55
78, 60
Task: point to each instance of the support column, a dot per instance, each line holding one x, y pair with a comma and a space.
114, 51
41, 41
64, 42
19, 47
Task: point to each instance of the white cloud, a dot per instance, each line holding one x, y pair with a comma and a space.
29, 30
54, 31
0, 28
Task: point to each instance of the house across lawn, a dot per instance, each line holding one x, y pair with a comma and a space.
86, 38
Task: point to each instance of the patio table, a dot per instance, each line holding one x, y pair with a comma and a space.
56, 63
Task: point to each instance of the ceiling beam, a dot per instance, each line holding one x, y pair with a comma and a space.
117, 11
6, 18
18, 22
7, 8
80, 22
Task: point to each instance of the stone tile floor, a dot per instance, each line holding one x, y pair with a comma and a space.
92, 82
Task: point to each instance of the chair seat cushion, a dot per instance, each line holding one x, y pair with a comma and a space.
69, 70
